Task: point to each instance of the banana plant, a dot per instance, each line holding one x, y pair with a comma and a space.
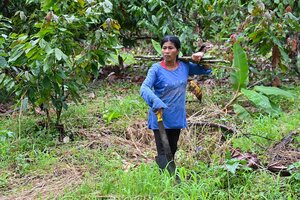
259, 95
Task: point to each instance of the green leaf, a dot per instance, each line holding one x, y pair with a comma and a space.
16, 53
81, 2
274, 91
62, 74
32, 52
165, 30
228, 155
22, 37
5, 134
9, 84
232, 167
27, 75
109, 116
284, 55
56, 88
239, 78
24, 104
47, 4
56, 103
59, 54
156, 46
107, 6
43, 43
2, 77
241, 111
250, 8
48, 62
276, 108
258, 99
46, 83
22, 15
3, 62
154, 19
65, 106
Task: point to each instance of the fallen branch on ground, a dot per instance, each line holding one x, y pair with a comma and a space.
215, 125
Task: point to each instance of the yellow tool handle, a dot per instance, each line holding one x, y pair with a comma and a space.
159, 115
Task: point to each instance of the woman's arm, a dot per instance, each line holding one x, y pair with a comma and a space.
148, 95
198, 68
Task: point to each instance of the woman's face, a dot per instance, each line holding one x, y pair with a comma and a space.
169, 51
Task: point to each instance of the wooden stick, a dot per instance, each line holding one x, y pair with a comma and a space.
205, 60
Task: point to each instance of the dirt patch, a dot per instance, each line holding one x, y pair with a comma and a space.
6, 109
43, 186
284, 153
139, 133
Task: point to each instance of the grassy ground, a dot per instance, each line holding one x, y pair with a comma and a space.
112, 154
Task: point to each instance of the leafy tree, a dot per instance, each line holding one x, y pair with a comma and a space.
155, 18
53, 61
268, 28
49, 49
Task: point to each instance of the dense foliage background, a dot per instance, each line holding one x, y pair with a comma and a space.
50, 49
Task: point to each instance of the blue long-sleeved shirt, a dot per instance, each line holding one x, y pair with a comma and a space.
166, 89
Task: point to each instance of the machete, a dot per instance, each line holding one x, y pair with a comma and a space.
166, 160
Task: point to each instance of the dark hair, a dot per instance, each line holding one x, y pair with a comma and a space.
171, 38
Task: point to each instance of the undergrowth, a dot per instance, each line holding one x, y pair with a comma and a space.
30, 152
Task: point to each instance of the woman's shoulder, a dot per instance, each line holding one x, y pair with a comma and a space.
155, 66
184, 63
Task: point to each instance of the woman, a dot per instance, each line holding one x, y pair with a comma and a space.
165, 89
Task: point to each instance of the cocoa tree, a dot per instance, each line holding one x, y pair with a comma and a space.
51, 63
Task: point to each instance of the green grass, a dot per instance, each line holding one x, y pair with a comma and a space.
114, 106
36, 153
146, 182
266, 131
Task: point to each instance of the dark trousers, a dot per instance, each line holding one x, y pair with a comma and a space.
173, 136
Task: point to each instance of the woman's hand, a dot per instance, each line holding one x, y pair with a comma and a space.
158, 105
197, 56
